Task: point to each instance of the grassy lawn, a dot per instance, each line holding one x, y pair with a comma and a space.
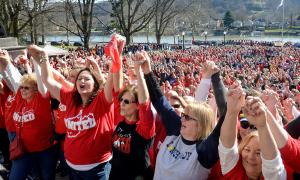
67, 47
285, 30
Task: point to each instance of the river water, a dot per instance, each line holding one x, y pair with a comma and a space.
175, 39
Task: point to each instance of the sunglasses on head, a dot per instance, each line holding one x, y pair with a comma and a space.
246, 125
176, 106
187, 117
126, 101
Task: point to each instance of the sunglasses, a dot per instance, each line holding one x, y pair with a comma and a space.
126, 101
246, 125
24, 87
176, 106
187, 117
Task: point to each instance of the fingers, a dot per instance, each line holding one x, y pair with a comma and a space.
139, 58
254, 106
146, 55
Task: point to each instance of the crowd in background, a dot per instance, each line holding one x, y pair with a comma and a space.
108, 112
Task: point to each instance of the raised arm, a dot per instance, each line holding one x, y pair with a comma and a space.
256, 112
146, 125
10, 73
228, 139
272, 165
202, 89
41, 57
138, 60
219, 92
92, 62
169, 117
61, 79
271, 100
41, 86
289, 147
235, 101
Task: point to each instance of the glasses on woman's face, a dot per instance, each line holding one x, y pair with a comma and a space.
126, 101
187, 117
246, 125
176, 106
25, 87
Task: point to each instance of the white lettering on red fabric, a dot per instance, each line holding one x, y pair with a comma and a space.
24, 116
122, 141
79, 123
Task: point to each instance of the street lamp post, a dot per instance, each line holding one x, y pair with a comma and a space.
225, 36
174, 40
205, 36
178, 39
183, 33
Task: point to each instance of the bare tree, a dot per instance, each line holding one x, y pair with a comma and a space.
16, 15
164, 13
83, 21
34, 11
131, 15
9, 14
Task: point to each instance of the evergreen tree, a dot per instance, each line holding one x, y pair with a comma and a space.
228, 19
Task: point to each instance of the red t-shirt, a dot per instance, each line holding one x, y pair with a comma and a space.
290, 154
35, 119
10, 105
3, 97
239, 173
60, 126
89, 129
160, 135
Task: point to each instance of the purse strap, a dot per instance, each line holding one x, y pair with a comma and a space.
20, 125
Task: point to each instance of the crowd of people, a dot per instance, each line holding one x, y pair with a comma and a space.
118, 112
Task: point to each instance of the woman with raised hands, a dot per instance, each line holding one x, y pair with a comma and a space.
30, 111
89, 119
190, 149
257, 155
287, 139
9, 86
28, 121
134, 133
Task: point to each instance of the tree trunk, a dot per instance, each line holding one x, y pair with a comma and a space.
31, 32
86, 40
128, 39
43, 30
158, 38
15, 29
35, 34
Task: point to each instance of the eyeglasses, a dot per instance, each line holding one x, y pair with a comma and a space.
126, 101
187, 117
246, 125
176, 106
24, 87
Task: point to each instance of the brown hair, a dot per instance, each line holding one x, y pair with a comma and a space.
132, 90
76, 96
